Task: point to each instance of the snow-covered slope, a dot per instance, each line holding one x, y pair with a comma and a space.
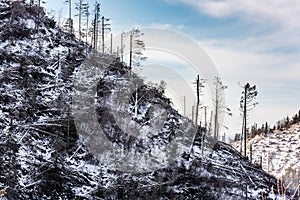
44, 157
279, 152
37, 61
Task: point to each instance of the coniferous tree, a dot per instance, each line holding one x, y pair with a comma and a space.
246, 105
136, 48
295, 118
254, 130
278, 125
287, 122
262, 128
266, 128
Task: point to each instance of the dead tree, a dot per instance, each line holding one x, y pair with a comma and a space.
219, 104
105, 28
95, 25
69, 23
199, 85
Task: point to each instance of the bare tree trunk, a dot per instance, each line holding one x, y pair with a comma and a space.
86, 31
122, 46
136, 103
94, 32
205, 118
70, 17
242, 134
245, 121
193, 112
216, 116
130, 54
111, 43
198, 100
103, 26
251, 153
79, 18
95, 28
184, 106
70, 9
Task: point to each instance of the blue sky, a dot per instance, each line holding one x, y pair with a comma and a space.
255, 41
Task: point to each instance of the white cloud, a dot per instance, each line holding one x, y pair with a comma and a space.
179, 27
284, 12
272, 24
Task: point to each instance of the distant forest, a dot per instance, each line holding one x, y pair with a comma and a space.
265, 128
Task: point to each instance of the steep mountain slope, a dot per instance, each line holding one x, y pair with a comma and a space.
45, 157
280, 153
36, 66
222, 174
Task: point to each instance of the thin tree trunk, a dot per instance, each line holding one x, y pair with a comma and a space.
111, 43
136, 103
245, 122
184, 106
103, 26
94, 31
121, 50
216, 116
193, 111
198, 100
242, 134
79, 18
205, 118
130, 53
86, 31
70, 9
70, 16
251, 153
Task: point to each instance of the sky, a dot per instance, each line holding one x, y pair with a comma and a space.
255, 41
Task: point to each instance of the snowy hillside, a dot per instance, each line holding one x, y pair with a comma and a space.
43, 156
280, 153
36, 66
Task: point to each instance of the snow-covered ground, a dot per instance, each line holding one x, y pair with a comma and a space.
278, 153
43, 156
